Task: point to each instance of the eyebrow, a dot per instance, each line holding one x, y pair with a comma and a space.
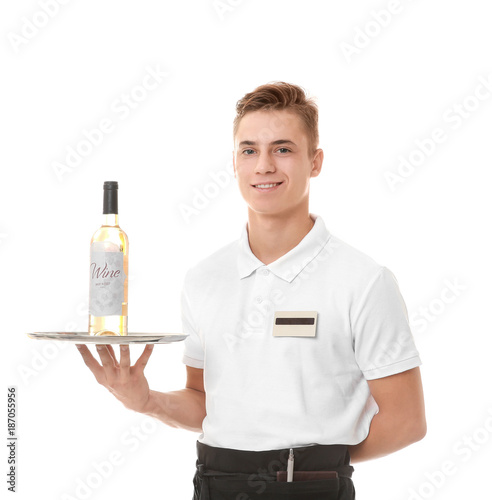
273, 143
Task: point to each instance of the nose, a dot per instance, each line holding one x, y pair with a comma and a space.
264, 164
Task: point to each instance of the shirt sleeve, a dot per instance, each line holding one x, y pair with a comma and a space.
193, 354
383, 341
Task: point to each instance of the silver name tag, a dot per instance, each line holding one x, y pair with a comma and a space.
295, 323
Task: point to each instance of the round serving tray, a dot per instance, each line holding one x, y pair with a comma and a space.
131, 338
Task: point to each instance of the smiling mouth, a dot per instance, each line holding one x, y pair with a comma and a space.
267, 186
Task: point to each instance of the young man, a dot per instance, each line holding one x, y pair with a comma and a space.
296, 340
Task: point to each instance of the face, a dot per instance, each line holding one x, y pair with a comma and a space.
271, 147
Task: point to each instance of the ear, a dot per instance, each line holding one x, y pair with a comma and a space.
317, 162
234, 163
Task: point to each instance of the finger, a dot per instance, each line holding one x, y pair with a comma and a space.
106, 359
91, 362
144, 358
113, 355
125, 359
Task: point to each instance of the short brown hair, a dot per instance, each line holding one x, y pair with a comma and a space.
278, 96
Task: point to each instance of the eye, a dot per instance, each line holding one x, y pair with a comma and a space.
248, 152
280, 150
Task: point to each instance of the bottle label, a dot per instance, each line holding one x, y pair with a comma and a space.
107, 284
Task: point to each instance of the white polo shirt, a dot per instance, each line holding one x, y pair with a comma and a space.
265, 392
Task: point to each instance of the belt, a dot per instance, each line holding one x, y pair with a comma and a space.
224, 473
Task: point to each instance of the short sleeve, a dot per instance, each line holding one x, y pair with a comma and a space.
383, 341
193, 350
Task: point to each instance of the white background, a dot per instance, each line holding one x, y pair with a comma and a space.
64, 74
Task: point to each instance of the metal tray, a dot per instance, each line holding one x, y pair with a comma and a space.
131, 338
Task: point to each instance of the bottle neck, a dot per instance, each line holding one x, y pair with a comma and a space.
110, 220
110, 202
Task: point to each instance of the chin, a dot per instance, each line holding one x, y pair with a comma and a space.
266, 210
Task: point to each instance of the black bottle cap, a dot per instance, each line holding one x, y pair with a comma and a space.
110, 200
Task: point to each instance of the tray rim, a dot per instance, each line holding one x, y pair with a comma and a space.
131, 338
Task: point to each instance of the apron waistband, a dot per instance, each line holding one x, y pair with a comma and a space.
306, 458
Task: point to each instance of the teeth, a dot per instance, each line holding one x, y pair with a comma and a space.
267, 185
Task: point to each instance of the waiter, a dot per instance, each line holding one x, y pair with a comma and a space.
300, 359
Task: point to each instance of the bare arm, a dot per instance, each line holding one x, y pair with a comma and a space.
184, 408
401, 418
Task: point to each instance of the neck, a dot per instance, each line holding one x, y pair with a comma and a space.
110, 220
271, 236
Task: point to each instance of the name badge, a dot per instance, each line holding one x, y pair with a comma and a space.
295, 323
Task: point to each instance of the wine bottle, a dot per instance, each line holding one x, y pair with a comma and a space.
108, 290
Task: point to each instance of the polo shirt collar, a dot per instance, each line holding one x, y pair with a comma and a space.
293, 262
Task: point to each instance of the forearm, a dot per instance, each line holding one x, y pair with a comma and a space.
184, 409
387, 435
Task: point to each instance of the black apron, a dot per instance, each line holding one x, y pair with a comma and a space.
226, 474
